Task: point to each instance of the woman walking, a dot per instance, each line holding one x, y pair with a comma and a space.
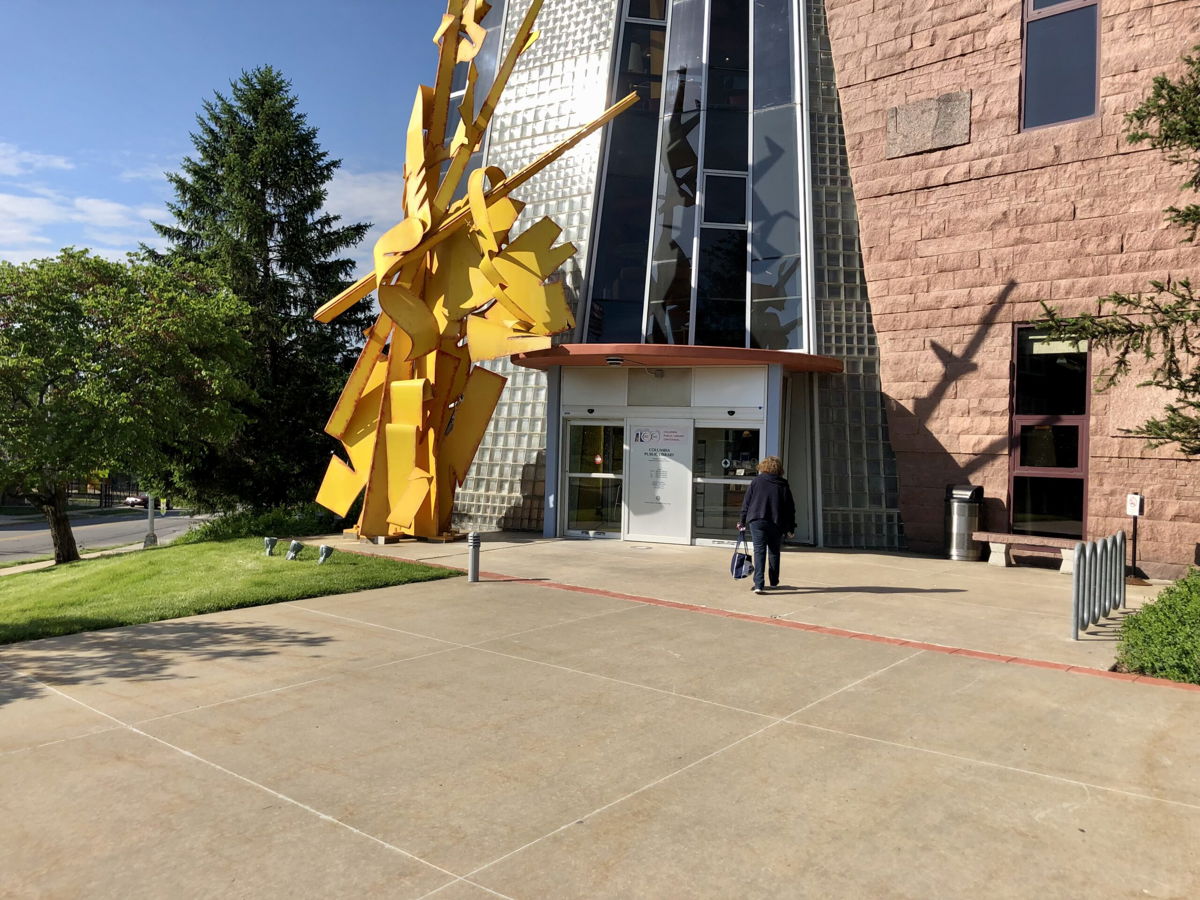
770, 513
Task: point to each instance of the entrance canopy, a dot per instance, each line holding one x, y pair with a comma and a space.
662, 355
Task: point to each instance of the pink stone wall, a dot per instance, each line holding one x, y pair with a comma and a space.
960, 244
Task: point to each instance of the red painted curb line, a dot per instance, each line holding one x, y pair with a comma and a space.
819, 629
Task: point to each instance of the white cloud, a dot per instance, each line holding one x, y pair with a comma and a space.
15, 161
376, 197
149, 172
49, 220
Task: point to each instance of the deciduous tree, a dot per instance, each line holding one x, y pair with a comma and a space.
107, 365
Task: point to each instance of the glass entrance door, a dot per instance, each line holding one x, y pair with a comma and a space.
724, 462
595, 475
1048, 460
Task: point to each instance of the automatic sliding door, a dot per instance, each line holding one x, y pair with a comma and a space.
595, 474
724, 462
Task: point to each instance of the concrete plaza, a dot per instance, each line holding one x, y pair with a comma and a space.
608, 720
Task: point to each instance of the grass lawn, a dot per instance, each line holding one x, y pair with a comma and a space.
169, 582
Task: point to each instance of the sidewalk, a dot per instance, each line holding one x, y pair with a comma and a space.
544, 738
1020, 611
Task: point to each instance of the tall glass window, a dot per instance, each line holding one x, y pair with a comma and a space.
619, 260
723, 262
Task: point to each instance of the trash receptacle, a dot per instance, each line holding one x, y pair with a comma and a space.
962, 517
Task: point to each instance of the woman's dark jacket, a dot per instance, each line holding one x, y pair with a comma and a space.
770, 498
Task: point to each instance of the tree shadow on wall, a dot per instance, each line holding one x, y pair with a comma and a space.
152, 652
925, 466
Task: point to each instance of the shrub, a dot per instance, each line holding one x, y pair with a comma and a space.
1162, 639
284, 522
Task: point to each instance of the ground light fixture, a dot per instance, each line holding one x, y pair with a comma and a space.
269, 545
294, 549
323, 553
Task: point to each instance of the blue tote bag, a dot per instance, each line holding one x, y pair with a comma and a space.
742, 563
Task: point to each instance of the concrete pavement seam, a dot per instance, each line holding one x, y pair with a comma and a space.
994, 765
249, 781
775, 721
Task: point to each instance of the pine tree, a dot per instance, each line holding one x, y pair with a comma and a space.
1161, 328
249, 203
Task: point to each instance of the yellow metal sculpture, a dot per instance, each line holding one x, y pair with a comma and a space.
454, 287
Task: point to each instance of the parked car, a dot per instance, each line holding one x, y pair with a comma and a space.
139, 501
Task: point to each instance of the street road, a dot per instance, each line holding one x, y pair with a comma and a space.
28, 539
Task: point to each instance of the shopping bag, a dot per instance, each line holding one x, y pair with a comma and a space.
742, 563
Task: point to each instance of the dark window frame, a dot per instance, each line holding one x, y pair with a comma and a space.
1029, 14
1079, 472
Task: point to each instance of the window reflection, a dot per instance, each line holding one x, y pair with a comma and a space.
619, 265
721, 288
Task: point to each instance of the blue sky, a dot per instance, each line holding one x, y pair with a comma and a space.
97, 100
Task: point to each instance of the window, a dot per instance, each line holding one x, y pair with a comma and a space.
1062, 55
1048, 459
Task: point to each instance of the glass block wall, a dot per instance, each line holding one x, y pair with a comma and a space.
859, 485
559, 85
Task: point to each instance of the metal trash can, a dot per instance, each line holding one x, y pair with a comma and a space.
962, 517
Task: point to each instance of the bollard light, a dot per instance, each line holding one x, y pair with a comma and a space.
294, 549
269, 545
323, 553
473, 556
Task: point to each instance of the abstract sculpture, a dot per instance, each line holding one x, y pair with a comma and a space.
454, 288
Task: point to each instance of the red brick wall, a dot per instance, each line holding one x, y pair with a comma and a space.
961, 243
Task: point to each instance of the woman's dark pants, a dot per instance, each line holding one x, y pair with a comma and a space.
767, 538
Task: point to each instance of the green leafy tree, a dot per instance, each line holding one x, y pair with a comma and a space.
1159, 328
107, 365
249, 203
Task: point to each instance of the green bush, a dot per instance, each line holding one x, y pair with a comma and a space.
284, 522
1162, 639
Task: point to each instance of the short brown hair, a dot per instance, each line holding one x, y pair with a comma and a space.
771, 465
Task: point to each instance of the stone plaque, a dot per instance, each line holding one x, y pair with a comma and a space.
925, 125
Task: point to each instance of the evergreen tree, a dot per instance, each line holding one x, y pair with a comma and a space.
249, 204
1161, 328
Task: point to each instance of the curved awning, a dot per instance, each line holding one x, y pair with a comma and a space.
663, 355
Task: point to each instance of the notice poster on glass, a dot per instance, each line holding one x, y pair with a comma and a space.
659, 480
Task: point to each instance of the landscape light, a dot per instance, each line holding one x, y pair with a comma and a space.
269, 545
323, 553
294, 549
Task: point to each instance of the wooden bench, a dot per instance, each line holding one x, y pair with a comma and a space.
1000, 546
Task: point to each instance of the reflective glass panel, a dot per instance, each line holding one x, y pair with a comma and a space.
619, 264
716, 508
1050, 446
777, 323
725, 139
670, 300
780, 277
596, 450
594, 504
647, 9
1042, 4
774, 65
1051, 377
1048, 506
725, 199
721, 288
775, 186
726, 453
684, 84
1060, 67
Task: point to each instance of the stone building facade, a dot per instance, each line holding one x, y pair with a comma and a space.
969, 221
